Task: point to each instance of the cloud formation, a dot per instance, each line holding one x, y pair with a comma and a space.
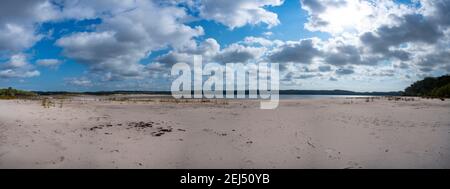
79, 82
17, 67
370, 32
126, 37
355, 39
18, 22
238, 13
50, 63
297, 52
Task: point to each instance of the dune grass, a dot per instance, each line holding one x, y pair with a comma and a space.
11, 93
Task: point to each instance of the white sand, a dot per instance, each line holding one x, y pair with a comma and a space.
332, 133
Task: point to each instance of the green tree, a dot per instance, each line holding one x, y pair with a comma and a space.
443, 91
427, 86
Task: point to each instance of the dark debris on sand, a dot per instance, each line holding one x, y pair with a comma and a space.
140, 125
155, 128
161, 130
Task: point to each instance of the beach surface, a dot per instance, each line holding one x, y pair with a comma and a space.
338, 133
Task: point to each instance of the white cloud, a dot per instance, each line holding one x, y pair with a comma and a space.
355, 16
240, 52
17, 67
10, 73
15, 38
262, 41
17, 61
80, 82
237, 53
19, 20
238, 13
51, 63
127, 36
268, 34
368, 33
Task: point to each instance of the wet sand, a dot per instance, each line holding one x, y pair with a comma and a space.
94, 132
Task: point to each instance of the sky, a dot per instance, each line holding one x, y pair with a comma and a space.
98, 45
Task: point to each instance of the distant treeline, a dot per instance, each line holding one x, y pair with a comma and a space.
284, 92
438, 87
102, 92
338, 92
11, 93
429, 87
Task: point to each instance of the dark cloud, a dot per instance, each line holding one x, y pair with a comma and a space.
344, 71
319, 6
324, 68
399, 54
302, 52
439, 10
291, 76
431, 61
346, 54
19, 11
401, 65
426, 69
384, 73
413, 28
446, 68
172, 58
332, 79
313, 5
234, 57
307, 76
236, 53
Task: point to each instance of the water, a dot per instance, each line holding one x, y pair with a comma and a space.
294, 97
288, 97
281, 96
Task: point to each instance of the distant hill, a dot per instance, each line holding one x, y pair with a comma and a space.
430, 87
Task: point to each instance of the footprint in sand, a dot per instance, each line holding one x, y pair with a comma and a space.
333, 154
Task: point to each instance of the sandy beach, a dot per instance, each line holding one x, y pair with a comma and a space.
338, 133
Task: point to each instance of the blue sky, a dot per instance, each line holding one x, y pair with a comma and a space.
58, 45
